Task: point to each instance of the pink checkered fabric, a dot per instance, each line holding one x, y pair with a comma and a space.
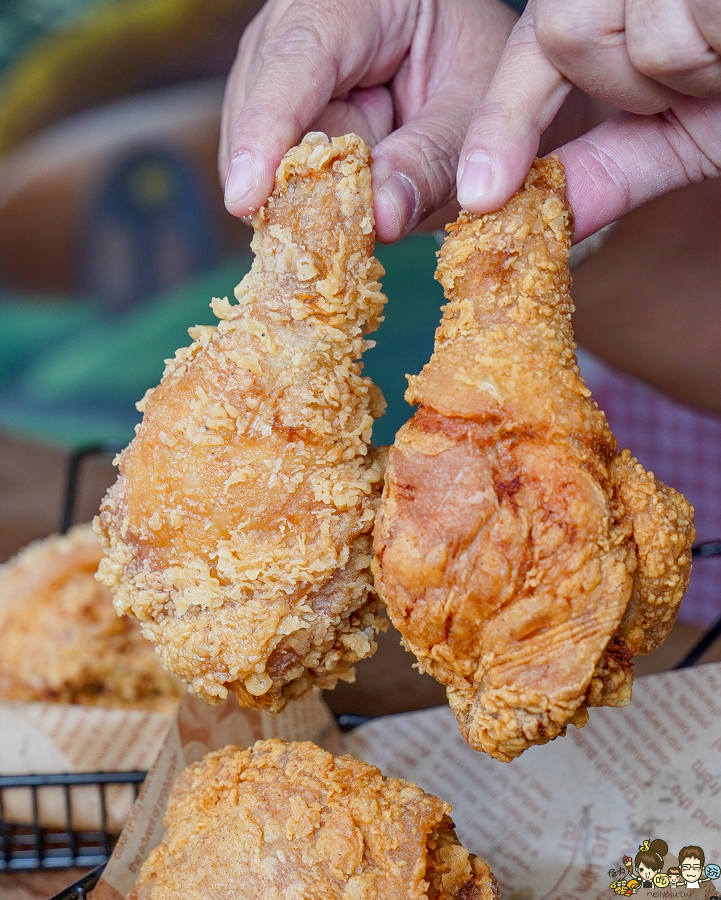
682, 447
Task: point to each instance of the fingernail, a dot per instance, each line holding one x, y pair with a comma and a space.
476, 178
241, 178
399, 191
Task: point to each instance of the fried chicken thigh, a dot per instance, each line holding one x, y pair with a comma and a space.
239, 529
61, 641
283, 820
523, 559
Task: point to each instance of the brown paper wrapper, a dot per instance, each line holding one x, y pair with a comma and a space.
42, 738
197, 729
552, 824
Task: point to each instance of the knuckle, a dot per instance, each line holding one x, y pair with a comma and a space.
500, 112
694, 142
288, 42
265, 113
299, 43
688, 69
655, 61
564, 30
440, 157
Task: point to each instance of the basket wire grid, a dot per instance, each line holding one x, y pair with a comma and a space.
31, 846
34, 846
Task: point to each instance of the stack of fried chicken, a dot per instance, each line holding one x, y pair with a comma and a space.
61, 641
521, 556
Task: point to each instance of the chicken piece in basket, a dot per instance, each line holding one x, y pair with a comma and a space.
289, 820
61, 641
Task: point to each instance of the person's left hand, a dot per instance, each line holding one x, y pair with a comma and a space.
407, 75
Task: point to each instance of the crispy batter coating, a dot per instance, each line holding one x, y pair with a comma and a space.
239, 529
522, 558
289, 820
61, 641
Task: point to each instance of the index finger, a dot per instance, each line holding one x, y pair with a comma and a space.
503, 138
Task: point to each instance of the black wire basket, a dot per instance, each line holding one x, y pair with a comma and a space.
31, 846
34, 846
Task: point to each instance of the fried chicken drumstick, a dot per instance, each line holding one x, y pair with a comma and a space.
238, 531
291, 820
523, 559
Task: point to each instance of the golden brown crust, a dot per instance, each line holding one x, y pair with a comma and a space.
238, 531
281, 820
61, 641
661, 522
453, 872
510, 529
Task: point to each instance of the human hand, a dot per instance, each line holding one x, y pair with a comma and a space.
406, 75
658, 60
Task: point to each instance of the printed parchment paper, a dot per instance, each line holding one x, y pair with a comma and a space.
551, 824
41, 738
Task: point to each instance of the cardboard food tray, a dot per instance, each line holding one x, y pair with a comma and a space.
49, 738
552, 825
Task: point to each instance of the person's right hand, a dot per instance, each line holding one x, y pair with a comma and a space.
658, 60
406, 75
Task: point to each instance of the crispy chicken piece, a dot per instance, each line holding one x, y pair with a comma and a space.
522, 558
61, 641
239, 529
282, 820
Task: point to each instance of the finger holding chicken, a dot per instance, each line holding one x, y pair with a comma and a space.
523, 559
239, 529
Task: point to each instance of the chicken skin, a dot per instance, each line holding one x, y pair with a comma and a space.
523, 559
239, 529
61, 641
289, 820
